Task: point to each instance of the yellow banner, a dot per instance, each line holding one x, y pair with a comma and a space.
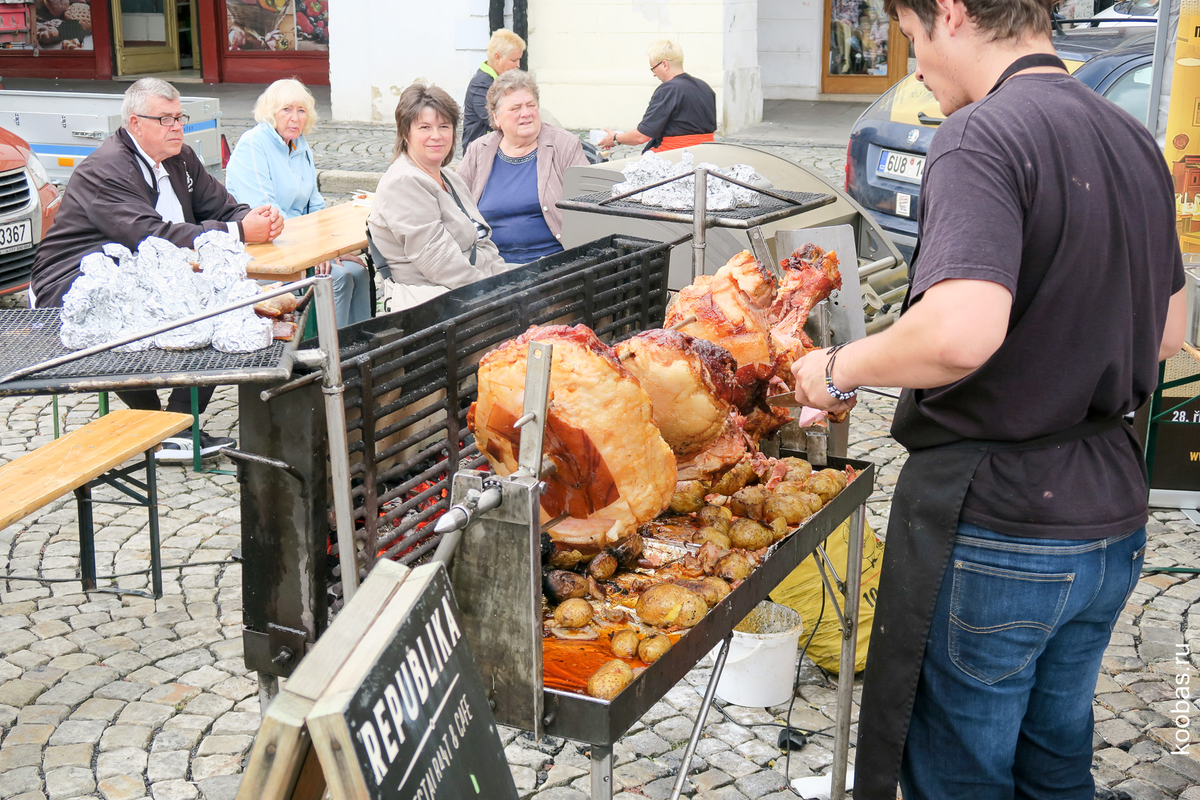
1183, 126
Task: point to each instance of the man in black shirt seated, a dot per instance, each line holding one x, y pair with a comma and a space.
682, 112
504, 52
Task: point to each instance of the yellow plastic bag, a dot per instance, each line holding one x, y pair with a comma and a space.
803, 588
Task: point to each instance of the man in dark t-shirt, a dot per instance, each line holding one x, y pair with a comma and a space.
682, 111
1046, 288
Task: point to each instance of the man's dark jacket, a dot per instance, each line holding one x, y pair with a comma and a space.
108, 199
475, 116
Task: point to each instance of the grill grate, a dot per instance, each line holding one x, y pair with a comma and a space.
410, 378
767, 209
14, 191
30, 336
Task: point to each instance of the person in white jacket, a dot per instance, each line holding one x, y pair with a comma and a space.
423, 220
272, 164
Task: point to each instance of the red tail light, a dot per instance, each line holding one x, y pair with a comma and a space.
225, 152
849, 167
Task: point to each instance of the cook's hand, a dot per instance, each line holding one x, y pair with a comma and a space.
323, 268
809, 372
262, 224
609, 141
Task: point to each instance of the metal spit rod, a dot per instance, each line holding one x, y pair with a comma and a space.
699, 218
335, 421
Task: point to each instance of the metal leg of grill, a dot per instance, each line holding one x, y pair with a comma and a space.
711, 692
602, 781
87, 538
845, 690
152, 505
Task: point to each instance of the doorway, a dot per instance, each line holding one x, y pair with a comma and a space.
146, 36
864, 50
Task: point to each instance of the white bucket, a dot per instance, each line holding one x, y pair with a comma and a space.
760, 669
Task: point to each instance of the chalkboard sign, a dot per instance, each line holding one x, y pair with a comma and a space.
412, 719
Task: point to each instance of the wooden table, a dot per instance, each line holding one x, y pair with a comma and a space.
308, 240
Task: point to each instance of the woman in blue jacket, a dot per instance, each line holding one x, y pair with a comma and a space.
273, 165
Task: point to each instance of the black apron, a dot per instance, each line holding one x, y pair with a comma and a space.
921, 533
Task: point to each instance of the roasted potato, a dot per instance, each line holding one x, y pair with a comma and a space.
779, 528
748, 501
719, 586
688, 497
823, 485
750, 535
574, 613
838, 475
668, 604
714, 535
565, 559
653, 648
791, 487
740, 475
624, 644
627, 550
791, 508
608, 681
718, 517
733, 567
602, 566
710, 593
561, 585
798, 468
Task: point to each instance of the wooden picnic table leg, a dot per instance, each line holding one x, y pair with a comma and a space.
87, 538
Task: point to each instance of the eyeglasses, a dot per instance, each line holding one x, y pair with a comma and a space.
167, 120
656, 66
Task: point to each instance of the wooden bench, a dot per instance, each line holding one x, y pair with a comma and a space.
87, 457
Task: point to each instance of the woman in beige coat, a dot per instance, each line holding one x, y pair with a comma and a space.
516, 172
424, 220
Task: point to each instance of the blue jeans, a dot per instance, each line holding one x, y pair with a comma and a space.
1004, 706
351, 292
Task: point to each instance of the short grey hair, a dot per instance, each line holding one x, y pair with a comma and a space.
512, 81
137, 96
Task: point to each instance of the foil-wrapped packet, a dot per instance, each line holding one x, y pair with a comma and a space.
120, 293
680, 195
241, 330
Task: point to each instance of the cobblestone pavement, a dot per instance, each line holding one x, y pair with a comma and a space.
124, 698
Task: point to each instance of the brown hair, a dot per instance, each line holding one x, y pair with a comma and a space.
415, 99
1000, 19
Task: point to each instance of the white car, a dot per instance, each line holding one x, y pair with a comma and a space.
1128, 13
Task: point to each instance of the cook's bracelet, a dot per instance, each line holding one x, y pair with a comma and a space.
835, 392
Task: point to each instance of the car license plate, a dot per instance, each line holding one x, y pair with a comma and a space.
16, 236
902, 166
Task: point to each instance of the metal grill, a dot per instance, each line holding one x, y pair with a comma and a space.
768, 209
14, 191
407, 399
408, 379
30, 336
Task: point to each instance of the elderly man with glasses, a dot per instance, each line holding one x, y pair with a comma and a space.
144, 181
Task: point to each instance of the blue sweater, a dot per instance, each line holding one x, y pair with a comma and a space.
265, 171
